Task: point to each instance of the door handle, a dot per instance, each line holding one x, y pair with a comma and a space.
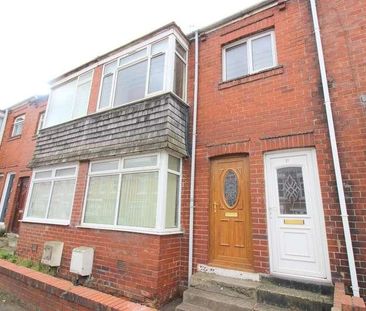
214, 207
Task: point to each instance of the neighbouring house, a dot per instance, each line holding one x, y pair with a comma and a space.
19, 127
112, 165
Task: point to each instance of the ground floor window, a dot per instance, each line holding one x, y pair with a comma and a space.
137, 193
51, 195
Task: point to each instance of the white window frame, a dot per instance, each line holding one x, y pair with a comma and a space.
74, 98
185, 61
248, 41
162, 169
18, 120
51, 179
168, 80
41, 120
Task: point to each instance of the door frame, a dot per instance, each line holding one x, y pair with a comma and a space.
17, 197
311, 152
5, 196
243, 157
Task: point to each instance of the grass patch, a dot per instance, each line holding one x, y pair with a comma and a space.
37, 266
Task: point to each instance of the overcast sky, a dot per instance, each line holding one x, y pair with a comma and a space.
41, 39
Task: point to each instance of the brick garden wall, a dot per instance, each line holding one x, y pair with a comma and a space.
41, 292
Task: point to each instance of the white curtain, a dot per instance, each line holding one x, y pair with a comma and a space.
138, 200
39, 200
101, 200
171, 215
61, 199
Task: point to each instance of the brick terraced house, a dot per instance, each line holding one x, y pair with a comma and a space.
19, 128
249, 113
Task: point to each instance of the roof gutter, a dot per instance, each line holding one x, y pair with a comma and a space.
333, 143
254, 9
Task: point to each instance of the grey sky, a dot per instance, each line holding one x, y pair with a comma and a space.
41, 39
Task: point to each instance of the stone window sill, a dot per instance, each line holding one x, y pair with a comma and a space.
274, 71
15, 137
133, 230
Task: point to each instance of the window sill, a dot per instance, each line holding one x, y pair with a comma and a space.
133, 230
15, 137
47, 222
270, 72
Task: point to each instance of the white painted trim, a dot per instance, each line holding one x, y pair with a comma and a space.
18, 120
3, 125
46, 221
168, 79
72, 107
51, 179
131, 229
5, 190
321, 221
117, 55
229, 273
248, 41
162, 169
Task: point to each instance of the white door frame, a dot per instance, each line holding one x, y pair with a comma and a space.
5, 190
314, 171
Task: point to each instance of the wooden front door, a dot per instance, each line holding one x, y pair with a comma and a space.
20, 199
230, 216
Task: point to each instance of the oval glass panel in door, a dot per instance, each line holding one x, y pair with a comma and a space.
230, 188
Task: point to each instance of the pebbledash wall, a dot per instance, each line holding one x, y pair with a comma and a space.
16, 152
280, 108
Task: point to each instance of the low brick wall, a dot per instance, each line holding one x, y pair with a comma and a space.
42, 292
343, 302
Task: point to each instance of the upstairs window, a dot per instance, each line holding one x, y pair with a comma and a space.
40, 122
69, 100
18, 126
248, 56
152, 69
51, 195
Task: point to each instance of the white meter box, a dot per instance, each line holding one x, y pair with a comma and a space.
52, 253
82, 260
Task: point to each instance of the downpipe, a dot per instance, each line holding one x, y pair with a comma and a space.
193, 160
333, 143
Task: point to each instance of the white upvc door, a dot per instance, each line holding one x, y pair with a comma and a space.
297, 238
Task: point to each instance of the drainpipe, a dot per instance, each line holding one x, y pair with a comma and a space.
333, 143
193, 160
2, 128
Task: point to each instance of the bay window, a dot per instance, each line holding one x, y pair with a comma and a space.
51, 195
139, 193
157, 67
70, 100
249, 55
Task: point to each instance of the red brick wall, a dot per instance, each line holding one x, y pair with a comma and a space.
41, 292
94, 93
16, 152
277, 109
343, 29
142, 267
